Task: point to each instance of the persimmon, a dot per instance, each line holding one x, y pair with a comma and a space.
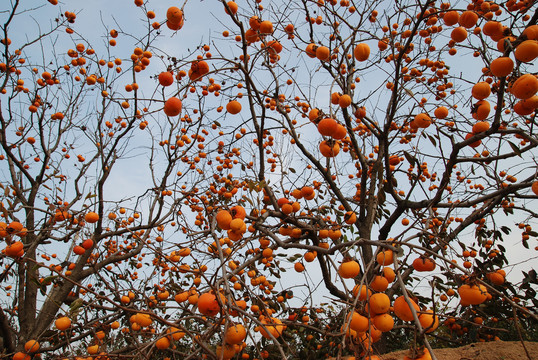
323, 53
451, 17
527, 51
379, 303
423, 264
266, 27
383, 322
143, 319
251, 36
310, 256
481, 90
79, 250
472, 294
166, 78
174, 15
480, 126
362, 292
531, 32
340, 132
311, 50
327, 127
525, 86
238, 212
502, 66
21, 356
429, 321
441, 112
254, 22
162, 343
496, 278
459, 34
362, 52
15, 249
232, 5
350, 217
422, 120
474, 143
172, 106
492, 28
233, 107
235, 334
181, 297
87, 244
468, 19
208, 304
93, 349
534, 187
349, 269
198, 70
225, 351
329, 148
480, 110
385, 257
344, 101
31, 346
271, 326
308, 192
171, 25
224, 218
14, 227
3, 230
402, 309
379, 283
175, 333
389, 274
359, 323
299, 267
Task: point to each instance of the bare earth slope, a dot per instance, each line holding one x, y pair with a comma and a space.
494, 350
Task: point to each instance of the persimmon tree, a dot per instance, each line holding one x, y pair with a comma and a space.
311, 175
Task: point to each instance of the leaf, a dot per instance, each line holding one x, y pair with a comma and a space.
409, 92
411, 159
76, 304
292, 170
514, 148
505, 229
432, 140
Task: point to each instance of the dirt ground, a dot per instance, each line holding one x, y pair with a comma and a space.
494, 350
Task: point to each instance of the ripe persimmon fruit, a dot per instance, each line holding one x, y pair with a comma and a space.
379, 303
362, 52
233, 107
349, 269
502, 66
166, 78
525, 86
402, 309
235, 334
172, 106
62, 323
527, 51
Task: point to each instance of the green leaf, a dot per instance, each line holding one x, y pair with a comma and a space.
411, 159
515, 148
